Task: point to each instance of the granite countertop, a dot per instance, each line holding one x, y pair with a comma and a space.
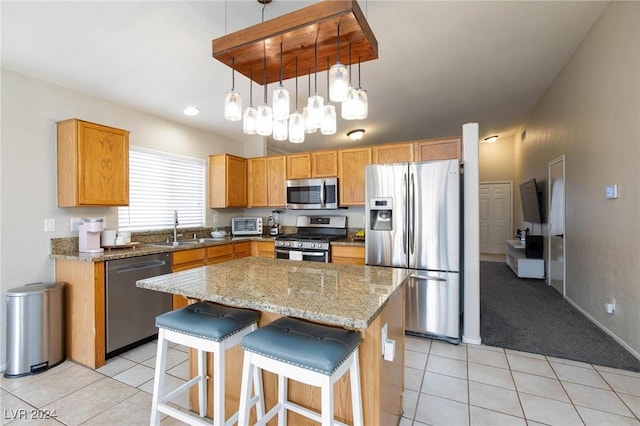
349, 243
341, 295
145, 248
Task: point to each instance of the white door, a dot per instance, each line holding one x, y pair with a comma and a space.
556, 268
495, 216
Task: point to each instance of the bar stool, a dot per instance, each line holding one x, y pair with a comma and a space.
207, 327
310, 353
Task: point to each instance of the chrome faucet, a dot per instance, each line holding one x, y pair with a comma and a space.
175, 226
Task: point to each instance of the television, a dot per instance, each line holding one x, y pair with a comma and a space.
530, 199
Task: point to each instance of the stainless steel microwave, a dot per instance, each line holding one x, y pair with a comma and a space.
246, 226
312, 194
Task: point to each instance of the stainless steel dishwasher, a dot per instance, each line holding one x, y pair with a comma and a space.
131, 311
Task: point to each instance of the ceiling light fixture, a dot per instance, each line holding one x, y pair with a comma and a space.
232, 101
328, 126
323, 26
250, 119
491, 139
356, 135
296, 120
191, 111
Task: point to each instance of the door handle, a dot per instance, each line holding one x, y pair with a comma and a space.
559, 235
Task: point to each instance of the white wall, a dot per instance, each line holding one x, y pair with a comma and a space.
30, 109
591, 115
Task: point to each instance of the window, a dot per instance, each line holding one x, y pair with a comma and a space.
160, 183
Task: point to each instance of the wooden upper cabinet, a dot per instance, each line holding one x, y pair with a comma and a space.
276, 178
351, 164
393, 153
267, 177
438, 149
299, 166
324, 164
93, 164
227, 181
257, 189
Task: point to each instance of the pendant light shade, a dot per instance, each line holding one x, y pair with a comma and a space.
232, 101
361, 105
250, 121
338, 78
315, 108
264, 121
329, 120
280, 103
349, 106
296, 128
280, 129
308, 128
233, 106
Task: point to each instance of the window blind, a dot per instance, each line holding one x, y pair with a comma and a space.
160, 183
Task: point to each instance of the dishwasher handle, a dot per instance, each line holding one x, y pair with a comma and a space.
137, 266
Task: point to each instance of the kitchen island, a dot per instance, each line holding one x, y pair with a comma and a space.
364, 298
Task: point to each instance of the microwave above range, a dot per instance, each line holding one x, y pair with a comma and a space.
312, 194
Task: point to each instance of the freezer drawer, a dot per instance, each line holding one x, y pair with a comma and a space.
433, 306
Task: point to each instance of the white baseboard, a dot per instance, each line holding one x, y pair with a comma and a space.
603, 328
471, 341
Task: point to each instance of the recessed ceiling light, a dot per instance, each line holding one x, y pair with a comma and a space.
491, 139
356, 135
191, 111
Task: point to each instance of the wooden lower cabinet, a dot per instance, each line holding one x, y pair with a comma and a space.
219, 254
241, 249
182, 260
347, 255
263, 249
84, 295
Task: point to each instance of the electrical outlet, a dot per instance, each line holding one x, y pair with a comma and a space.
611, 306
49, 225
75, 223
215, 218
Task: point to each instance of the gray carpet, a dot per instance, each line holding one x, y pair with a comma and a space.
529, 316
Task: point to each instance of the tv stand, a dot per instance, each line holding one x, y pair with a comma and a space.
517, 260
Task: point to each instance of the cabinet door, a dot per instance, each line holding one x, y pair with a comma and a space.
187, 259
219, 254
299, 166
438, 149
227, 181
351, 164
93, 164
242, 249
393, 153
277, 177
257, 187
324, 164
347, 255
263, 249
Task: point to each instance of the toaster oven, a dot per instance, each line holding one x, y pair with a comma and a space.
246, 226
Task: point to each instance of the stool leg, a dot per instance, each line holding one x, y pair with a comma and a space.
356, 394
218, 387
245, 390
202, 384
283, 396
258, 390
158, 382
327, 401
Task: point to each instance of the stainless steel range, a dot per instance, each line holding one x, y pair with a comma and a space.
312, 241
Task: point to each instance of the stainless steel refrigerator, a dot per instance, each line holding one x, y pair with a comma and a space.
412, 219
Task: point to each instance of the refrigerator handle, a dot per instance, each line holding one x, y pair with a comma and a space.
405, 189
412, 214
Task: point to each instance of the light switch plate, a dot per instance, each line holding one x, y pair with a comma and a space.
612, 192
75, 223
49, 225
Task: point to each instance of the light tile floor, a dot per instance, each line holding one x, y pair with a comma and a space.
444, 385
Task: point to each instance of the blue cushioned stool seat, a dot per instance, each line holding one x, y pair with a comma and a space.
207, 321
312, 346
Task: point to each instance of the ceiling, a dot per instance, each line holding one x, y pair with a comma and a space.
441, 64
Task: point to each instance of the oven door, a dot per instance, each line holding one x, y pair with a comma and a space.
309, 255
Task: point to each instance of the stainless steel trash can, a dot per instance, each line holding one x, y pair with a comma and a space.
35, 328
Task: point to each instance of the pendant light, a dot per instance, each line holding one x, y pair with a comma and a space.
280, 98
338, 78
265, 114
308, 127
315, 104
361, 104
232, 101
296, 120
329, 124
281, 129
349, 104
249, 121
